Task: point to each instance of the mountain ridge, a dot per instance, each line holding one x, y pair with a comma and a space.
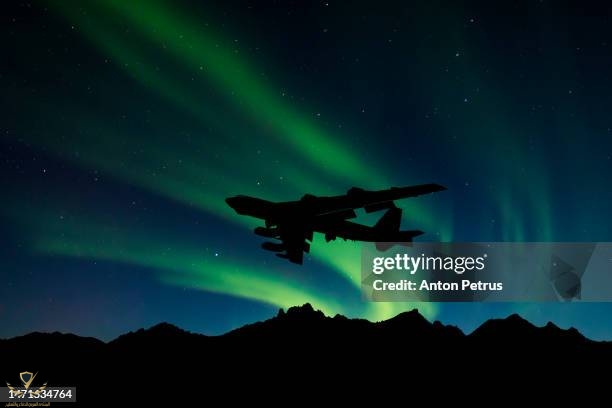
306, 314
297, 351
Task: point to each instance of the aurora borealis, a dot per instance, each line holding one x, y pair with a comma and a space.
125, 125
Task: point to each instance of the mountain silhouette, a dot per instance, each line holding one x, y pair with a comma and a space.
299, 350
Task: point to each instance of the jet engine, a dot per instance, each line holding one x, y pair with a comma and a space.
271, 232
273, 246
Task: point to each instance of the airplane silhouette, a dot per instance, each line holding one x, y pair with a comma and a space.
292, 223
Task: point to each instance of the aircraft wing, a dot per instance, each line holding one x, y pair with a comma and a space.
369, 200
413, 191
364, 198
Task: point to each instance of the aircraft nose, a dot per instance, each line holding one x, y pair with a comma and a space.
232, 201
237, 203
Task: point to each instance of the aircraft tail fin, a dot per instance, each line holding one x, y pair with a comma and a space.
390, 223
391, 220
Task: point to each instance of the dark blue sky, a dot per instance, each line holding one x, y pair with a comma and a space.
124, 128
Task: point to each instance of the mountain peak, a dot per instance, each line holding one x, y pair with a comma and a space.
411, 317
515, 317
165, 327
305, 308
551, 325
303, 312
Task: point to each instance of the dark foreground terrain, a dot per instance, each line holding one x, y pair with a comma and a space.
303, 354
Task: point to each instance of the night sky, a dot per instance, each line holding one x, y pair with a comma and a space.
124, 127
